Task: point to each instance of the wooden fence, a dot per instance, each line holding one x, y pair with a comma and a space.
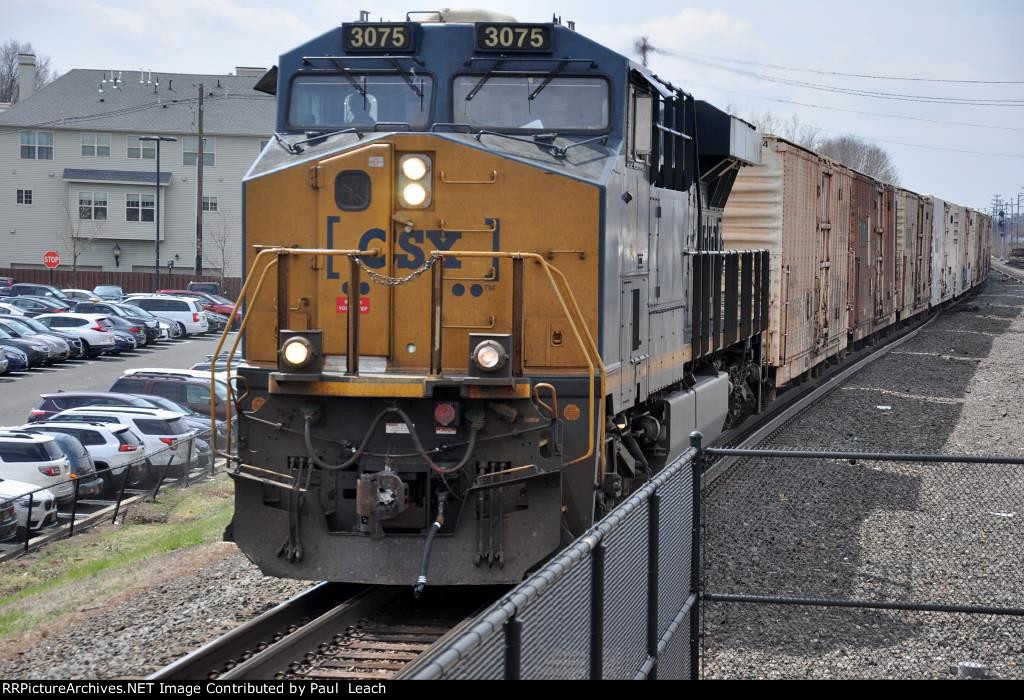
128, 281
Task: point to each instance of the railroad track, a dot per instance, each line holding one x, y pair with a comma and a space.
336, 631
1014, 272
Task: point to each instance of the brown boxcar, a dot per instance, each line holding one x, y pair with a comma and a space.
796, 205
872, 257
913, 254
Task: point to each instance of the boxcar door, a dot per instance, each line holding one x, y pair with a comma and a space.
823, 279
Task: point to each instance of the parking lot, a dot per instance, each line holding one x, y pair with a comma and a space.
19, 391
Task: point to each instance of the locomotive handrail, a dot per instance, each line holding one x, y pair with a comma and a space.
585, 339
276, 252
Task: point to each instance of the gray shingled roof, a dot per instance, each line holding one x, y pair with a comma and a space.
86, 175
73, 101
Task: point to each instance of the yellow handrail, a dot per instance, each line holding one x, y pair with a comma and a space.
589, 348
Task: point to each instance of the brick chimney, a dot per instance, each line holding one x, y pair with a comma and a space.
26, 75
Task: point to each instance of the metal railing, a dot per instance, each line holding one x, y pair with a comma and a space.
139, 477
619, 603
557, 280
841, 564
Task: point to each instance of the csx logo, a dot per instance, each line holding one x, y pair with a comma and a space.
412, 247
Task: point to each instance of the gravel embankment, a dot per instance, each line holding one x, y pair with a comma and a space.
949, 533
155, 626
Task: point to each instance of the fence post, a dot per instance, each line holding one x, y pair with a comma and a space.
120, 494
653, 545
695, 559
28, 519
597, 612
74, 508
513, 648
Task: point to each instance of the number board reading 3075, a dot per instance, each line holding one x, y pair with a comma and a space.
379, 36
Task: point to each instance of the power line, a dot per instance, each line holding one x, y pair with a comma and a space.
928, 99
855, 75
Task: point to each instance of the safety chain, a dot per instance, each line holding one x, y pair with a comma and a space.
395, 281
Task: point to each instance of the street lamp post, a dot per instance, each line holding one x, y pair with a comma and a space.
158, 139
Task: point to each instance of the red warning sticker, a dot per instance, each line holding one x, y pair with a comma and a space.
341, 305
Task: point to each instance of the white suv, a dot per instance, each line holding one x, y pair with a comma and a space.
112, 446
43, 502
164, 433
96, 337
37, 460
188, 312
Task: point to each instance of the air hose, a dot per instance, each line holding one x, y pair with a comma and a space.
421, 580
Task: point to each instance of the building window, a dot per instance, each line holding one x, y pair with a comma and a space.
24, 196
92, 206
96, 145
37, 145
190, 150
141, 149
209, 204
139, 207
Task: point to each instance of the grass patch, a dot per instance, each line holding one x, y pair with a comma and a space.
182, 518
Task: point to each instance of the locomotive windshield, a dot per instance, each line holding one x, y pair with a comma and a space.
340, 101
531, 102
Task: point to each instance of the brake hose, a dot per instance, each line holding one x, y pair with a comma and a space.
421, 580
471, 445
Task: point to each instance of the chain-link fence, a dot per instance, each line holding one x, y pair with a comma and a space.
850, 565
619, 603
93, 496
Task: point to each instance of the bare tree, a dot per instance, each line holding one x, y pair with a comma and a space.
791, 129
854, 152
219, 243
78, 236
9, 69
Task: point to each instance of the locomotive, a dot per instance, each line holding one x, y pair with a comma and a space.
487, 295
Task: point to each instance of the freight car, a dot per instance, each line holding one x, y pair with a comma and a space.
487, 293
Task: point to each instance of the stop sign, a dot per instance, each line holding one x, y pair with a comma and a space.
51, 259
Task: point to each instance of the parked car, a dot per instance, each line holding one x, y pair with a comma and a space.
53, 403
6, 282
150, 326
109, 292
41, 290
56, 351
211, 302
80, 295
196, 420
92, 329
113, 448
73, 341
83, 469
33, 306
134, 330
43, 503
165, 435
123, 342
205, 287
37, 353
17, 360
3, 364
36, 459
188, 312
183, 387
11, 310
8, 515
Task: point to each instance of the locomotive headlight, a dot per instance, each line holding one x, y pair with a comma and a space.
297, 352
489, 356
413, 195
414, 167
414, 181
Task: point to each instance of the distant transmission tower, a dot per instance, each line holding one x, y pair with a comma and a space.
644, 48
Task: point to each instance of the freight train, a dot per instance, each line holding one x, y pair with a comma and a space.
496, 275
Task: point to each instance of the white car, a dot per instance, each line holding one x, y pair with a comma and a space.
164, 433
93, 329
81, 295
112, 446
11, 310
187, 312
43, 502
37, 460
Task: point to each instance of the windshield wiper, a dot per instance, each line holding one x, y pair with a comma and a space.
483, 80
407, 78
548, 78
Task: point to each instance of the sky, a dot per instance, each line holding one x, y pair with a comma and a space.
708, 48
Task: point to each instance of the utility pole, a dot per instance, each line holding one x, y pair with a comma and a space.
199, 189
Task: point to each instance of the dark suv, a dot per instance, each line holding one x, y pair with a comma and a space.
51, 404
24, 289
191, 392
